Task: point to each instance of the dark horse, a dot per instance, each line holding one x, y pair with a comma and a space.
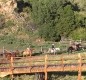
74, 47
9, 54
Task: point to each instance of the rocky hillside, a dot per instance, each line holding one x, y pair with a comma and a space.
7, 7
12, 22
16, 25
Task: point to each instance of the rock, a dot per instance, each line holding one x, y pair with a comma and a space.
7, 8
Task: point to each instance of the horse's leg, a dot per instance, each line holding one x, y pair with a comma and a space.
23, 55
54, 52
71, 51
30, 53
68, 50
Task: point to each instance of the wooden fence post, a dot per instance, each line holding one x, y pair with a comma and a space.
45, 67
3, 52
79, 67
62, 62
11, 67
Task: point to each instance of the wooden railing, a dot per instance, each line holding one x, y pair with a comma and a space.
61, 61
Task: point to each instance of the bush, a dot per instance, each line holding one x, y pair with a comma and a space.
2, 21
54, 19
79, 33
9, 23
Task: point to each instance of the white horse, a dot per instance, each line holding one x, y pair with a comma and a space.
54, 50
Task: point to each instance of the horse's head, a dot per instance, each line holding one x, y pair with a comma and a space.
57, 49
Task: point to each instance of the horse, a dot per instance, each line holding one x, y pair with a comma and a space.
17, 53
27, 52
9, 54
54, 50
74, 47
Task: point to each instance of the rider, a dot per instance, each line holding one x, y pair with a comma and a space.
53, 46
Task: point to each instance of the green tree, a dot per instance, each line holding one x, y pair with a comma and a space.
66, 22
53, 18
79, 33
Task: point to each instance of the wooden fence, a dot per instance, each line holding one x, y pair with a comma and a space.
59, 62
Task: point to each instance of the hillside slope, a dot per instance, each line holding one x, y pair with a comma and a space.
13, 22
19, 26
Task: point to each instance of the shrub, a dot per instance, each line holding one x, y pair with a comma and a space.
79, 33
9, 23
2, 21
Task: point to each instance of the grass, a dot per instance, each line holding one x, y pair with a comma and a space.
12, 43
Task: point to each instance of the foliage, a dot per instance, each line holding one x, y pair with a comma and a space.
11, 42
52, 76
81, 4
66, 22
53, 18
79, 33
2, 21
24, 77
80, 20
5, 78
50, 19
9, 23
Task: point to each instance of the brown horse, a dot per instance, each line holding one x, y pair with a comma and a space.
9, 54
27, 52
74, 47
